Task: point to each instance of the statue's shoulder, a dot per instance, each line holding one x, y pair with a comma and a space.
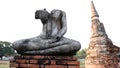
57, 10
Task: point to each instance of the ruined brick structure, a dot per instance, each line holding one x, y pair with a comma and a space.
101, 53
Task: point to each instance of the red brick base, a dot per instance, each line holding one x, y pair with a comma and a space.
45, 62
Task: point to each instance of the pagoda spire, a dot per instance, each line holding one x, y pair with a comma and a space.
94, 13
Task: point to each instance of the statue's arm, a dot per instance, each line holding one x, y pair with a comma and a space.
63, 29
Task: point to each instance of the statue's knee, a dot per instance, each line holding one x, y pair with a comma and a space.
18, 44
15, 45
77, 44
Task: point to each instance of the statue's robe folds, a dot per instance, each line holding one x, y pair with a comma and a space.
51, 40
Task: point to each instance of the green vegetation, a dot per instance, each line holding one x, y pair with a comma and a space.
81, 57
82, 63
81, 54
6, 49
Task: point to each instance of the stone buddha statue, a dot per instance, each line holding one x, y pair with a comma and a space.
51, 41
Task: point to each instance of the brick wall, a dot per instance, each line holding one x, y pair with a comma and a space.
45, 62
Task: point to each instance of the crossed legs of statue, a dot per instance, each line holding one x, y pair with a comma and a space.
46, 47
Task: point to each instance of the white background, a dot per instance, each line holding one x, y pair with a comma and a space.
17, 18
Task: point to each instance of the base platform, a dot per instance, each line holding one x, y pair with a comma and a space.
45, 62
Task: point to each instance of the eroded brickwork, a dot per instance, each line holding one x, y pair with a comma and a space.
101, 53
45, 62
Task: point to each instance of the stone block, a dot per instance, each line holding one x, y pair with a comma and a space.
14, 65
22, 61
24, 65
33, 62
34, 66
73, 67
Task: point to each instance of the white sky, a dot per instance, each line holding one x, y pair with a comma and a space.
17, 18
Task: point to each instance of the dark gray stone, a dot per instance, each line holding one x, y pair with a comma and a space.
51, 40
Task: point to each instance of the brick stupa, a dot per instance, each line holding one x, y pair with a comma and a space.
101, 53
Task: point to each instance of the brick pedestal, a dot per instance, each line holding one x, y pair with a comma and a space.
45, 62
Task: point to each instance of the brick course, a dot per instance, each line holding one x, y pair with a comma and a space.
45, 62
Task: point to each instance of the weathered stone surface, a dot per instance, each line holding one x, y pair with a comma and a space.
101, 53
37, 61
51, 40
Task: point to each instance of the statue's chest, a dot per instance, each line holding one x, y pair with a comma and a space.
56, 26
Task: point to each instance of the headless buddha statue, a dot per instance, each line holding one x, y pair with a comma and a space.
51, 40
